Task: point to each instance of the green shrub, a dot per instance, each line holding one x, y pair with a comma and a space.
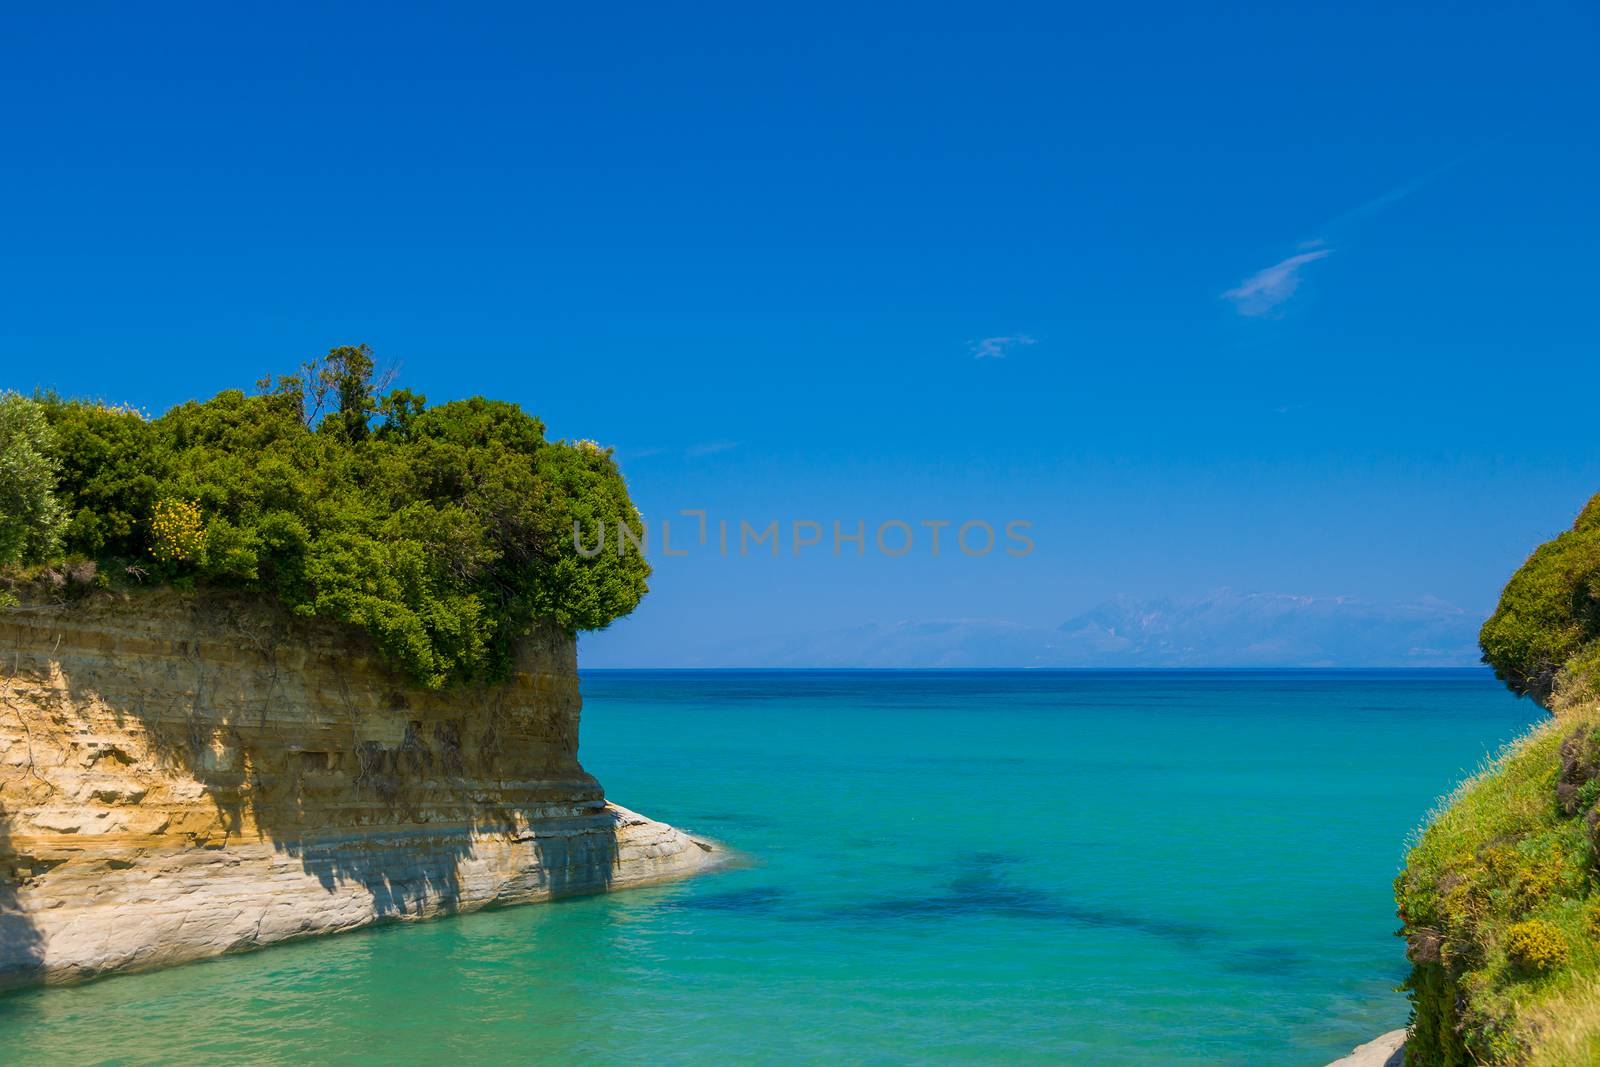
1435, 1039
1548, 618
30, 516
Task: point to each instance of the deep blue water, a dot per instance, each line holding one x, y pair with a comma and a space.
1083, 867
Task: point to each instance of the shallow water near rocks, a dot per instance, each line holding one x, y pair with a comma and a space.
983, 867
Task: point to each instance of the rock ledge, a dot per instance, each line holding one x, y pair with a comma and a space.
1385, 1051
185, 775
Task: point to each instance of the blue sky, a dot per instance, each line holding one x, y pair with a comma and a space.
1285, 301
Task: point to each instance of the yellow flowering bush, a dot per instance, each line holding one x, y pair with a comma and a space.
177, 534
1536, 945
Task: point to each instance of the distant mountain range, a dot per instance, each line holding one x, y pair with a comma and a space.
1223, 629
1275, 630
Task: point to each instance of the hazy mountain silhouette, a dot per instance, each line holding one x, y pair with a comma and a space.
1273, 630
1222, 629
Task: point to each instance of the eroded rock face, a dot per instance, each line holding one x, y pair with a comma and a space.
1580, 765
184, 775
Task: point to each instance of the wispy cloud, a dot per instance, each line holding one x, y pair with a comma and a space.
1266, 289
996, 347
709, 448
1393, 196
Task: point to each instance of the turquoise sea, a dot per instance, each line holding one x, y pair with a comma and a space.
960, 867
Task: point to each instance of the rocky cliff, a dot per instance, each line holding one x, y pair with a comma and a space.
183, 775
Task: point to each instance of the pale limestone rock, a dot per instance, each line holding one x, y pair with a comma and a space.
1385, 1051
184, 776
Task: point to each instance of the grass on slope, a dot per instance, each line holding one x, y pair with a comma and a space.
1501, 909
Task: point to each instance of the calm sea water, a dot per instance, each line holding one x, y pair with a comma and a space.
984, 867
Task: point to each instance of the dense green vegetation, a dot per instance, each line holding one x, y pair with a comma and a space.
1500, 908
1543, 639
30, 517
444, 531
1500, 897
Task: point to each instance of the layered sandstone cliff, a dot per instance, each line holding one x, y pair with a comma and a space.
183, 775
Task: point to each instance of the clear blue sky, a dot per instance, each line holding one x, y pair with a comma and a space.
773, 257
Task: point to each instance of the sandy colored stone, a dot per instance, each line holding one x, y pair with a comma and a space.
186, 775
1385, 1051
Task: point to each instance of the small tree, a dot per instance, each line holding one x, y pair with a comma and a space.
30, 517
337, 394
347, 372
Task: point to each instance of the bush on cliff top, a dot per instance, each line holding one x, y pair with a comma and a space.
443, 531
1543, 639
30, 517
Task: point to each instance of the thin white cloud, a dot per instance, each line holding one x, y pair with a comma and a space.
995, 347
1393, 196
710, 448
1266, 289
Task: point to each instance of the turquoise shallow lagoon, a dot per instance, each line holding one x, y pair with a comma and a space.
983, 867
